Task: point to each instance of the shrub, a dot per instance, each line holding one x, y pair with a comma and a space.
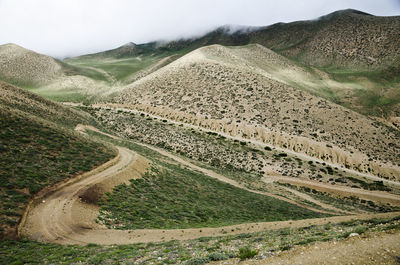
215, 256
197, 261
360, 229
247, 253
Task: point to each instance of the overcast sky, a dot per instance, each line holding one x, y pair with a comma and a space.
72, 27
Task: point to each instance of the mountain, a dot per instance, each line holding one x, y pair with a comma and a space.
242, 90
127, 50
47, 76
346, 38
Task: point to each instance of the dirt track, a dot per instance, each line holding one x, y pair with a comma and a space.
379, 196
63, 218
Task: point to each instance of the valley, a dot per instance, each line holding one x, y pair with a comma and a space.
228, 147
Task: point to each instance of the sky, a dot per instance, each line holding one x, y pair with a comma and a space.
64, 28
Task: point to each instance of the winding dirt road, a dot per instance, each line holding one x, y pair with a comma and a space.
56, 219
61, 217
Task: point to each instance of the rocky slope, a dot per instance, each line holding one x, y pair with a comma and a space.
347, 38
218, 88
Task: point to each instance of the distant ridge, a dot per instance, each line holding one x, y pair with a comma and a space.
338, 39
127, 50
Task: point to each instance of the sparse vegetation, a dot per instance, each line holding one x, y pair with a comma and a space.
179, 252
171, 197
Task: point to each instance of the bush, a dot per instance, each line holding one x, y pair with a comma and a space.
197, 261
360, 229
215, 256
247, 253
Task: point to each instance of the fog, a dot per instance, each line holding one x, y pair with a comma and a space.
63, 28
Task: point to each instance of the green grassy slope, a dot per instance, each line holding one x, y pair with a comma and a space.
122, 68
172, 197
38, 149
16, 98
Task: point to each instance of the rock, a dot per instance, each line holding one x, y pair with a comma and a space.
353, 235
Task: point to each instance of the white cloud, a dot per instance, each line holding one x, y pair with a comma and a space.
71, 27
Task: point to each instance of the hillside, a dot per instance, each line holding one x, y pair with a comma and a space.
38, 150
347, 38
228, 90
24, 67
347, 57
49, 77
127, 50
126, 63
352, 48
16, 98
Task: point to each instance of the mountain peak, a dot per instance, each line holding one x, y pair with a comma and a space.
129, 44
344, 12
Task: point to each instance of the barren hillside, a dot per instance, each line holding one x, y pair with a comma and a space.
224, 89
25, 67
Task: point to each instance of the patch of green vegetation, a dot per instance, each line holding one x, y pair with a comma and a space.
66, 95
71, 70
375, 92
376, 185
122, 68
175, 197
19, 82
36, 154
22, 100
247, 253
179, 252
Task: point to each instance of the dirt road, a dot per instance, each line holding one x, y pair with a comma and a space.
377, 196
59, 217
63, 218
